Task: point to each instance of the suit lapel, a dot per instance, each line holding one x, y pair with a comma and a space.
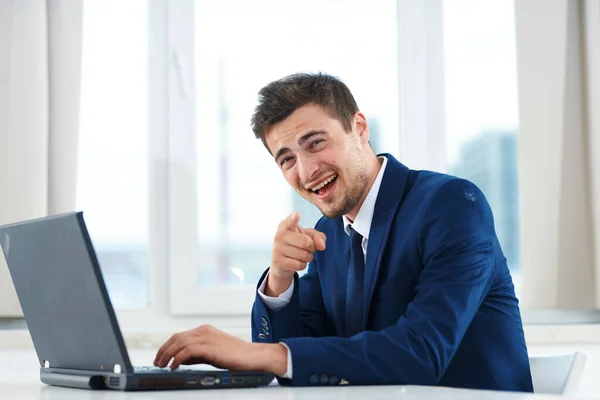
390, 193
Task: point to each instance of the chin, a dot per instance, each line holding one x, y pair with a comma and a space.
332, 213
332, 210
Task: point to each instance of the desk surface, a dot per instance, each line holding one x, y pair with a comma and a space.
19, 379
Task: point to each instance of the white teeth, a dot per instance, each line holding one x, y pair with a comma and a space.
325, 182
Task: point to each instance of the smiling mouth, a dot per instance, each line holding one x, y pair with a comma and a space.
324, 185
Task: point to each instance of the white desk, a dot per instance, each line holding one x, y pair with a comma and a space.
19, 379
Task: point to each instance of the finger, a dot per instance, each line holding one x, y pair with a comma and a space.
162, 349
297, 254
162, 353
187, 353
291, 222
289, 264
174, 348
299, 240
319, 238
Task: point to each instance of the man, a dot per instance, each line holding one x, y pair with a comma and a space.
407, 283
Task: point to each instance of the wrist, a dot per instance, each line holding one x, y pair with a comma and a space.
277, 284
273, 358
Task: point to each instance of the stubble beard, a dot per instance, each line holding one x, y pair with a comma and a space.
354, 194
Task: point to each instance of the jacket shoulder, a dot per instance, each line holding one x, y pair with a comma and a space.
430, 182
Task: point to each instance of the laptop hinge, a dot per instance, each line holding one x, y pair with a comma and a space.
73, 381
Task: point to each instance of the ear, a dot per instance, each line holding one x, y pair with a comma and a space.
362, 127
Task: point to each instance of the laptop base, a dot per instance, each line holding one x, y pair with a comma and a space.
139, 381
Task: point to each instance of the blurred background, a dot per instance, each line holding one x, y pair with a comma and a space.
239, 46
138, 114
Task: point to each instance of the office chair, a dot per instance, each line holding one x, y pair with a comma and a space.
557, 374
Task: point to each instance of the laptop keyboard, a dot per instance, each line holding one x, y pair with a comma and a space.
167, 370
155, 370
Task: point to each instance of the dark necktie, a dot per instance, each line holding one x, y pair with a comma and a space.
354, 286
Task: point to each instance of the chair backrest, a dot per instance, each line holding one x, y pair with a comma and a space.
557, 374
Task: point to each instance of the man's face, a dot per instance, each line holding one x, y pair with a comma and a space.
320, 160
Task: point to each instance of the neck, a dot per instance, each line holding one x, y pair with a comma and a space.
373, 167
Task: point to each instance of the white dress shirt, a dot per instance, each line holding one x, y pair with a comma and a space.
362, 225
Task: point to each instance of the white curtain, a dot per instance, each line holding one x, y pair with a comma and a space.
558, 53
40, 59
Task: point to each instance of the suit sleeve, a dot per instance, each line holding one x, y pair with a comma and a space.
305, 314
456, 240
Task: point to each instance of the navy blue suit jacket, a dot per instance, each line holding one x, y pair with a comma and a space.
440, 307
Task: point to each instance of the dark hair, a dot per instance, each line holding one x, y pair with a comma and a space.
279, 99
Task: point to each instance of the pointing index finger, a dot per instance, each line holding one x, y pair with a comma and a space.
291, 222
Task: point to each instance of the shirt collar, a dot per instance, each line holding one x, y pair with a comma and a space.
362, 223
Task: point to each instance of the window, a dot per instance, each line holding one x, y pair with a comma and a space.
225, 195
112, 183
241, 195
482, 110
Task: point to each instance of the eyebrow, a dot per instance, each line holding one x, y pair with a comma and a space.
303, 139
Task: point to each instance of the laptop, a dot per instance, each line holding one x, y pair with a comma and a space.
73, 325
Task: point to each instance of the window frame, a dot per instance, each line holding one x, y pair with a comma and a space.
186, 297
179, 303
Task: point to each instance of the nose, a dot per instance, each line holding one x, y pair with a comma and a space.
307, 168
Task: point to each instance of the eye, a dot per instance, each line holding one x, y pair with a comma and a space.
285, 160
316, 142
